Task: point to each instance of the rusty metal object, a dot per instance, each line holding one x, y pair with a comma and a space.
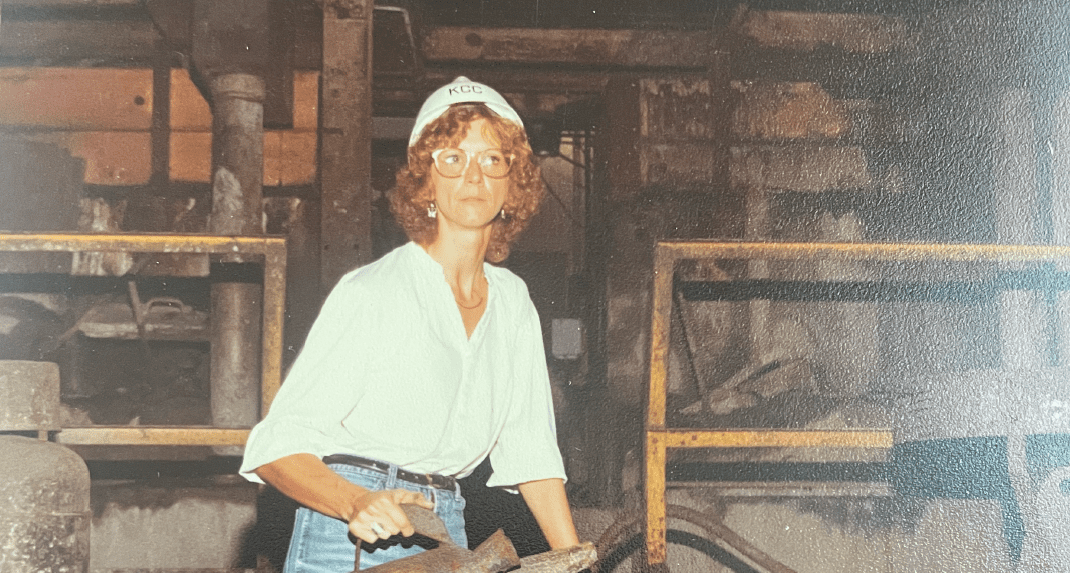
568, 560
494, 555
44, 507
29, 396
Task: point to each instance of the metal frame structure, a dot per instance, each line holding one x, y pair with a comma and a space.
273, 252
659, 438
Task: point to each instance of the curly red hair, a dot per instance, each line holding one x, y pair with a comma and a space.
412, 194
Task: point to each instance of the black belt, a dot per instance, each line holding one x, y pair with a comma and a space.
434, 480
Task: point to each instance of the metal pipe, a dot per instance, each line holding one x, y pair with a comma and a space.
237, 197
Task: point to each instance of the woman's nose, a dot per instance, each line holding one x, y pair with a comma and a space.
473, 172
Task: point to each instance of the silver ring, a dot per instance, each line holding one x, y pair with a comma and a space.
378, 529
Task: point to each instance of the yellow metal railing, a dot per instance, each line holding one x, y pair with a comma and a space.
659, 438
272, 251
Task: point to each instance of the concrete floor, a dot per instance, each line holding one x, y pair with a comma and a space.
147, 527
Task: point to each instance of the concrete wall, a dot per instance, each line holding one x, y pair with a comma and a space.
139, 525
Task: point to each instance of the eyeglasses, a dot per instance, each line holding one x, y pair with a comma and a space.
451, 162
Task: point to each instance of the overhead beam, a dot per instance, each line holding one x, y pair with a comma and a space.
609, 48
98, 43
44, 4
133, 42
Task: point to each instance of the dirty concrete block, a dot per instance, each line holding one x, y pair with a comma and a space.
29, 395
137, 526
809, 30
788, 110
809, 169
953, 536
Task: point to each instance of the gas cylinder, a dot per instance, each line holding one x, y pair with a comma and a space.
44, 487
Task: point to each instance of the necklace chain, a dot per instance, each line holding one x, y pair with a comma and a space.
476, 305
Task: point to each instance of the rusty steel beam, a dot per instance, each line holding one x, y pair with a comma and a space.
609, 48
345, 139
134, 42
879, 439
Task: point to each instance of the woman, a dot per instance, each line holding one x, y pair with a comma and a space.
425, 362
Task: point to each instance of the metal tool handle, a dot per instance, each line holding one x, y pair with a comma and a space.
425, 521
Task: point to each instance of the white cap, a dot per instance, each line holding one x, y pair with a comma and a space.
461, 90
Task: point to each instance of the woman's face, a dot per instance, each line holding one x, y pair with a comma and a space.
472, 200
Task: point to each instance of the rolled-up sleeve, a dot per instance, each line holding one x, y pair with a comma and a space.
526, 449
320, 389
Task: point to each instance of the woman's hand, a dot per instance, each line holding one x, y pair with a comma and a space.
378, 515
371, 515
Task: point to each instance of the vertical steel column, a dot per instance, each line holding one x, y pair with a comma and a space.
237, 196
345, 138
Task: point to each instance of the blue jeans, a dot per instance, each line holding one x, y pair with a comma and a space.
322, 544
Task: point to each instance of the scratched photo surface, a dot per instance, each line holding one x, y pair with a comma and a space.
802, 269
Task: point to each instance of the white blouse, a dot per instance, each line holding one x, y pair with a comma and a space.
388, 372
